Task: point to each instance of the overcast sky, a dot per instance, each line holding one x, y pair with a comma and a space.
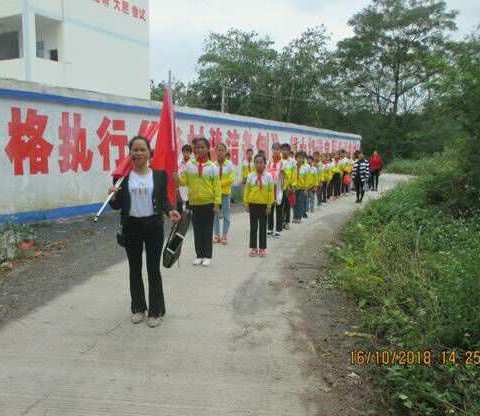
179, 27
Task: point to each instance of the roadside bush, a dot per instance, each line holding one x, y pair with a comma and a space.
414, 269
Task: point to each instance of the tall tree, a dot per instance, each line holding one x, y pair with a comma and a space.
302, 77
387, 65
241, 64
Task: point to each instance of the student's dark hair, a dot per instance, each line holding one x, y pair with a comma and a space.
187, 148
130, 143
259, 155
356, 153
275, 145
204, 140
223, 145
249, 150
285, 146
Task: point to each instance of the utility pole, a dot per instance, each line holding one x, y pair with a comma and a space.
170, 84
170, 79
223, 99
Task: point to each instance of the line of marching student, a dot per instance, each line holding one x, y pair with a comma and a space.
271, 190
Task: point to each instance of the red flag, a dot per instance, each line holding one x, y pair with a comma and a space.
165, 156
123, 168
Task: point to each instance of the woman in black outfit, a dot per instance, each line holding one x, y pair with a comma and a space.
143, 201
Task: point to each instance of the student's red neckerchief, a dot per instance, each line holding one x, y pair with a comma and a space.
201, 161
259, 179
220, 164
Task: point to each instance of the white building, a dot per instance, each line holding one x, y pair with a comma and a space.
97, 45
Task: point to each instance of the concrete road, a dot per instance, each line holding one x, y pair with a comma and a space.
224, 348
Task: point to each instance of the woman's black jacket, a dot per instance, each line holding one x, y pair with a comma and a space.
159, 196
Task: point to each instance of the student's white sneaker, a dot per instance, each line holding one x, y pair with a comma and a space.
206, 262
197, 262
137, 317
153, 321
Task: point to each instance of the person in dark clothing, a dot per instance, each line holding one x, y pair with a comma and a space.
142, 199
360, 174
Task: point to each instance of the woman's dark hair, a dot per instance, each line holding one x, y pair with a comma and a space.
223, 145
186, 148
204, 140
250, 150
259, 155
130, 143
285, 146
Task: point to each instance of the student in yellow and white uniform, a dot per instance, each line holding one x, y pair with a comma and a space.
201, 178
182, 192
248, 165
346, 171
226, 175
337, 175
258, 199
274, 168
299, 184
317, 163
312, 176
330, 167
288, 168
324, 178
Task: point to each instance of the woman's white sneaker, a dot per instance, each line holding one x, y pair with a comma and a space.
206, 262
197, 262
153, 321
138, 317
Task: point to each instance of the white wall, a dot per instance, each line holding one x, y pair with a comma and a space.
50, 72
108, 50
14, 69
10, 7
53, 189
105, 64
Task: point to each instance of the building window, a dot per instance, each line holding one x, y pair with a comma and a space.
41, 49
9, 46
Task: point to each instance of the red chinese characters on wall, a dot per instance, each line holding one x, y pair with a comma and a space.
216, 137
247, 142
126, 7
27, 142
73, 148
233, 144
148, 129
117, 138
192, 134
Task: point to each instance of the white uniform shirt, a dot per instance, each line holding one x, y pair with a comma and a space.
141, 190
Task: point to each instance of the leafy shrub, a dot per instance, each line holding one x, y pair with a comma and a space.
414, 270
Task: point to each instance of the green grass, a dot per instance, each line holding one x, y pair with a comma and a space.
422, 167
414, 270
